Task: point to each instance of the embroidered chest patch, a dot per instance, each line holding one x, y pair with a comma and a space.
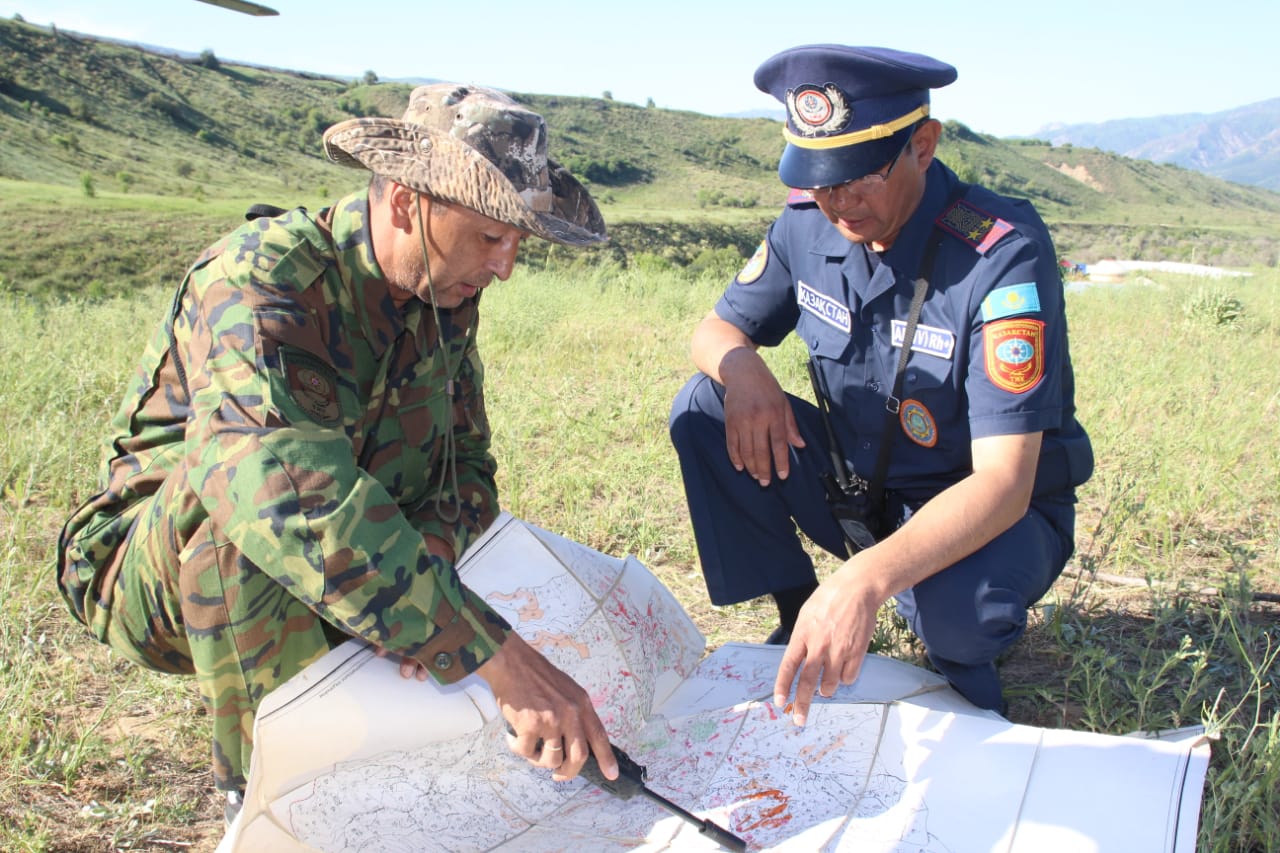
1014, 353
823, 307
930, 340
313, 385
918, 423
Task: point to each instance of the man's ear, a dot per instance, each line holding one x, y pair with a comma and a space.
924, 144
400, 204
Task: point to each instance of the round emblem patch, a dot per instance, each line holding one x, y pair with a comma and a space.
755, 266
813, 107
918, 423
818, 109
313, 382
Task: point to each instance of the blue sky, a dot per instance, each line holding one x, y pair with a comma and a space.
1022, 65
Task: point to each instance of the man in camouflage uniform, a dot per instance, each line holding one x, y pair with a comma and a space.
303, 451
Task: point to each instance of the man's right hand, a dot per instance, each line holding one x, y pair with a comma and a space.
759, 425
555, 723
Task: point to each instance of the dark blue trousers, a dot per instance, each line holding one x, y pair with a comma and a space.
749, 544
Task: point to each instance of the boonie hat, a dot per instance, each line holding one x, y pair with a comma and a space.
850, 110
476, 147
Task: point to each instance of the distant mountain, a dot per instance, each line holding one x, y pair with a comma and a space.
121, 122
778, 114
1240, 145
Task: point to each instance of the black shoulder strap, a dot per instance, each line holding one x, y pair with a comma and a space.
257, 211
893, 403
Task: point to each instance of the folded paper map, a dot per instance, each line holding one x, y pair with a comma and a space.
350, 756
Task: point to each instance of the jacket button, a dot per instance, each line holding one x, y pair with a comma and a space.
444, 660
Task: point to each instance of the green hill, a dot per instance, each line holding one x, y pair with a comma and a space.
181, 145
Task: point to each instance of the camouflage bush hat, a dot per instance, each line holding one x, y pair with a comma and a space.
475, 147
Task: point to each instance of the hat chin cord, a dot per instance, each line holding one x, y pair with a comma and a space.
449, 460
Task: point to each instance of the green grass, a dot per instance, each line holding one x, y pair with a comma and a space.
582, 365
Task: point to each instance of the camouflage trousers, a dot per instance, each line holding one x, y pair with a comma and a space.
184, 600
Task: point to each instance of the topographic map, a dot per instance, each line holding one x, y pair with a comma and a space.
351, 757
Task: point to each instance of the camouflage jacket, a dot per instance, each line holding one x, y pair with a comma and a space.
311, 415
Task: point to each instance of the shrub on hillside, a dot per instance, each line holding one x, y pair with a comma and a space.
1213, 307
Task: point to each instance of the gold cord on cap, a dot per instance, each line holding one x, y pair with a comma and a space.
876, 131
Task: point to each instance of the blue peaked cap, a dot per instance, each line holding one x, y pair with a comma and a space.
850, 110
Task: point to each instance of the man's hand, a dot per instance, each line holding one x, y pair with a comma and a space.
829, 640
555, 723
760, 428
836, 623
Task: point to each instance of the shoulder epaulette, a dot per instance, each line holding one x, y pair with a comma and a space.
276, 241
974, 226
797, 197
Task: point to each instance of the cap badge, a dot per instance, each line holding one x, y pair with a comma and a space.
818, 109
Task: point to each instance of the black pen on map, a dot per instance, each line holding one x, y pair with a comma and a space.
631, 782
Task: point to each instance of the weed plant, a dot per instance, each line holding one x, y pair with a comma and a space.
1162, 621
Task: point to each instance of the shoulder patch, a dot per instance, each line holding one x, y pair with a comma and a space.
1013, 351
755, 266
313, 384
976, 227
281, 252
1009, 300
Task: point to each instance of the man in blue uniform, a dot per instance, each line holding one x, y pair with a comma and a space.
945, 472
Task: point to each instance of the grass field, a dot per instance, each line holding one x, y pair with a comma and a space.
1167, 617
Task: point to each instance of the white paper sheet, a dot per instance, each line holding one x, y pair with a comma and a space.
351, 757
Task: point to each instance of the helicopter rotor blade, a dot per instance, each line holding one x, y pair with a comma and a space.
243, 6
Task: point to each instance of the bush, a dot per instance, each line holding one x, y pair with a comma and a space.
163, 105
723, 262
1213, 307
610, 171
80, 110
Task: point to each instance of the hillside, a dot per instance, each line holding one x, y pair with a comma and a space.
152, 135
1240, 145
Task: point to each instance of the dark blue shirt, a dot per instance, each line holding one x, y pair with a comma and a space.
990, 353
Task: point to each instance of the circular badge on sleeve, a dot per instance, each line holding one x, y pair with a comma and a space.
755, 266
918, 423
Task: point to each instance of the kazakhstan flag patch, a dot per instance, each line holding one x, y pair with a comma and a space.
1010, 300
